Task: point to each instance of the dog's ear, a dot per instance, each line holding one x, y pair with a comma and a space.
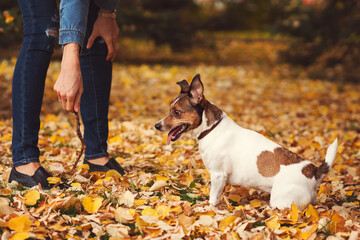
184, 85
196, 91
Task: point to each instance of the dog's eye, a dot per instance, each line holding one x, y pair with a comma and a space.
177, 113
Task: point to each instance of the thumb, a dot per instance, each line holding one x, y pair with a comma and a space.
91, 40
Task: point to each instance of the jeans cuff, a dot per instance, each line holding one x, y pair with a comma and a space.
98, 155
71, 36
25, 161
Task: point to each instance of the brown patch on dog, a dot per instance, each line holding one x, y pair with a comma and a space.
309, 170
212, 112
322, 170
269, 163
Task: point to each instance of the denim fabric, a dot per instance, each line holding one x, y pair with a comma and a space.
73, 18
94, 106
73, 21
40, 25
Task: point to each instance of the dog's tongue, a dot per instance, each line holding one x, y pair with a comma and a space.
171, 134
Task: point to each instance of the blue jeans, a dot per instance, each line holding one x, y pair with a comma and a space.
40, 20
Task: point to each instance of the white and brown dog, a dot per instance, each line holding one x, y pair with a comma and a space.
240, 156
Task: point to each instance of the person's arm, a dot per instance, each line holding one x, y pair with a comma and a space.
73, 21
106, 27
69, 85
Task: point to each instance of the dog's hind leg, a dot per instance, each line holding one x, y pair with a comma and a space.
283, 196
218, 182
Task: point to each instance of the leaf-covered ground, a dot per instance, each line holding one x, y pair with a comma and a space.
165, 193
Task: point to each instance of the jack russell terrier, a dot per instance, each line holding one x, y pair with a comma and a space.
240, 156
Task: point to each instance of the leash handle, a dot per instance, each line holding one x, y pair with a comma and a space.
78, 132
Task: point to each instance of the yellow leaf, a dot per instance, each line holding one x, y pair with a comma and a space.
112, 173
176, 209
171, 197
307, 235
149, 212
92, 203
294, 214
226, 222
159, 177
98, 182
255, 203
140, 202
311, 213
20, 236
163, 210
273, 223
20, 224
75, 184
349, 193
323, 189
115, 139
84, 166
54, 180
31, 197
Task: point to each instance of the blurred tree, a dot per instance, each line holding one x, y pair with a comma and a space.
173, 22
328, 37
242, 14
10, 23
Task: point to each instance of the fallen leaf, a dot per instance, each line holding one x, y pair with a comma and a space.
158, 185
225, 222
122, 215
273, 223
294, 214
92, 203
31, 197
337, 223
20, 224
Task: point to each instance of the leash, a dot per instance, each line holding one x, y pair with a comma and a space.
78, 132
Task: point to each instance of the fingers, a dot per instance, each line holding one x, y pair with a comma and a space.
111, 49
70, 103
77, 101
91, 40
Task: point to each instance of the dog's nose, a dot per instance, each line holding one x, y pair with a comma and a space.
158, 126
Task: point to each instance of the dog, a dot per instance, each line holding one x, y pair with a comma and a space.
240, 156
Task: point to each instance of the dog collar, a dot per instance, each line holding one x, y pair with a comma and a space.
206, 132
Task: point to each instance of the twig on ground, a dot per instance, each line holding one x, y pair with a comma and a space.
78, 132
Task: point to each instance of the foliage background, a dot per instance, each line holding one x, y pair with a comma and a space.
287, 69
323, 36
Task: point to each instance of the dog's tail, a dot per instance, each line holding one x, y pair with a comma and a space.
324, 168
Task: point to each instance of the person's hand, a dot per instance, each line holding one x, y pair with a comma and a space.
108, 29
69, 85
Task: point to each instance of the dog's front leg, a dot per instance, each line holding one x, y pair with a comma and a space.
218, 182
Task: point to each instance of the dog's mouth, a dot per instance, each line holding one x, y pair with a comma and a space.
176, 132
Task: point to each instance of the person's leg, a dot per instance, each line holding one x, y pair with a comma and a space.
94, 107
40, 19
96, 73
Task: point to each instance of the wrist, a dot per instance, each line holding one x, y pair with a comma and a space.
71, 53
107, 13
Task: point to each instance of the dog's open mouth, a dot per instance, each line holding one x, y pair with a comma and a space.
176, 132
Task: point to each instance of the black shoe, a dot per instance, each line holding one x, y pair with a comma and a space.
40, 176
111, 164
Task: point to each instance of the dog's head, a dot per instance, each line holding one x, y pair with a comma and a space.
185, 111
